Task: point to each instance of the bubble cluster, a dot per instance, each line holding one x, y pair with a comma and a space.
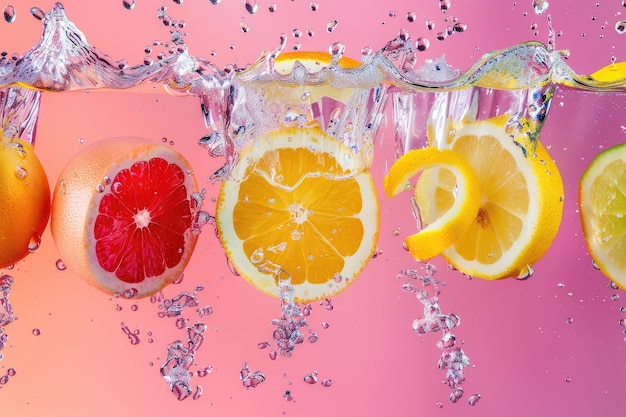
250, 379
453, 359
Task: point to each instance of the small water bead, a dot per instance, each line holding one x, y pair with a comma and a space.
9, 14
620, 27
37, 13
411, 17
60, 265
430, 24
36, 332
310, 32
251, 6
422, 44
287, 395
568, 379
540, 6
314, 6
311, 378
296, 33
444, 5
473, 399
244, 27
134, 307
272, 7
441, 36
331, 26
396, 231
34, 242
327, 383
460, 27
614, 297
21, 173
569, 320
128, 4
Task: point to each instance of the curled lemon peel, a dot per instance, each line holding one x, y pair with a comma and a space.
445, 230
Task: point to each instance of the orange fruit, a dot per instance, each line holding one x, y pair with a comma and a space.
298, 205
24, 200
520, 207
123, 213
602, 201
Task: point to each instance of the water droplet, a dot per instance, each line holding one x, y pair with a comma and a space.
100, 188
134, 307
128, 4
422, 44
569, 320
60, 265
34, 242
310, 32
21, 173
460, 27
314, 6
410, 17
272, 7
130, 293
331, 26
614, 297
37, 13
310, 378
244, 27
327, 382
540, 6
526, 272
287, 395
472, 400
9, 14
36, 332
568, 379
396, 231
620, 27
444, 5
251, 6
296, 33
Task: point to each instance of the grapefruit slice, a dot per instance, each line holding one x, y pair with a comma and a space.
122, 215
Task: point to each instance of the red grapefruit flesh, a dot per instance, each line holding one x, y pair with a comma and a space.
123, 213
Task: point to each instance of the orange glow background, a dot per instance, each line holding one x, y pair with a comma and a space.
516, 333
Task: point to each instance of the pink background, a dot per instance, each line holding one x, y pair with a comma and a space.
516, 333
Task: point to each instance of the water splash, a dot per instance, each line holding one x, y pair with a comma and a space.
453, 359
180, 358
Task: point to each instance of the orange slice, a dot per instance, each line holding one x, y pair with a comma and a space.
298, 205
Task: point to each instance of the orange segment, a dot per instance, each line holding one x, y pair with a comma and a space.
298, 203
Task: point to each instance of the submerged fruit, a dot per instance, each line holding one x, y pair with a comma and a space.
602, 201
521, 202
447, 228
122, 215
24, 200
298, 205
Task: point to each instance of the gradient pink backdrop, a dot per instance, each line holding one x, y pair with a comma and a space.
516, 333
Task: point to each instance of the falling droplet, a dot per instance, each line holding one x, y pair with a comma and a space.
272, 7
37, 13
314, 6
34, 243
444, 5
244, 27
9, 14
540, 6
128, 4
410, 17
251, 6
620, 27
310, 378
422, 44
327, 383
331, 26
472, 400
60, 265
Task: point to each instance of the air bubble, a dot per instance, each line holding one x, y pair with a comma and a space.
128, 4
9, 14
331, 26
36, 332
60, 265
251, 6
37, 13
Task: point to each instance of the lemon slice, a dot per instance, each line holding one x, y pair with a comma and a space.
299, 205
461, 210
521, 202
612, 72
602, 200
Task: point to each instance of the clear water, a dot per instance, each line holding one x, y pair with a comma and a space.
218, 314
